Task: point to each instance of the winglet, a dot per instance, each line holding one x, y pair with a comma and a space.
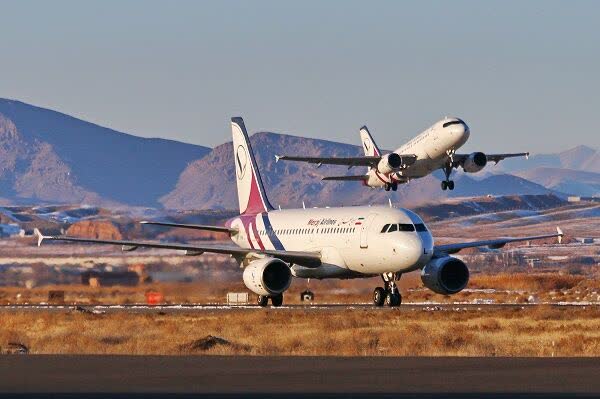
527, 155
560, 234
40, 236
277, 158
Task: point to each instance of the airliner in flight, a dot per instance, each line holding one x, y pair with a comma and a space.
433, 149
273, 246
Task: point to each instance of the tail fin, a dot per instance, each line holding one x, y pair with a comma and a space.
251, 192
371, 149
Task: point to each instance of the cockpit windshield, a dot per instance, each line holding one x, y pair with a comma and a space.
456, 122
389, 228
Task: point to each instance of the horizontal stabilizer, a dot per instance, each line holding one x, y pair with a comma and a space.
221, 229
347, 178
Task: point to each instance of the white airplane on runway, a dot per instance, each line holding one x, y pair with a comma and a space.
274, 246
433, 149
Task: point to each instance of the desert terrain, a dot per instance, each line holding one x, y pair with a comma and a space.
553, 291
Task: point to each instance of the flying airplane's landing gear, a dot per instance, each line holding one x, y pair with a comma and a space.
389, 295
391, 186
262, 300
448, 184
277, 300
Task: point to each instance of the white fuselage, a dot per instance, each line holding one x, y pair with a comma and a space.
431, 147
349, 239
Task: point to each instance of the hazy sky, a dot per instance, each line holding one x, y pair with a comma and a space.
523, 74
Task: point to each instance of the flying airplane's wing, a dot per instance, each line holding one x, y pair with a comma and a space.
440, 250
307, 259
460, 158
221, 229
347, 178
372, 161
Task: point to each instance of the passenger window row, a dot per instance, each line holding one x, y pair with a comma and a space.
332, 230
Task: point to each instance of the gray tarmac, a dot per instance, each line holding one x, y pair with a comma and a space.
432, 377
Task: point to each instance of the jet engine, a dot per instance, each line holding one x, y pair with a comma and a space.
447, 275
475, 162
389, 163
267, 276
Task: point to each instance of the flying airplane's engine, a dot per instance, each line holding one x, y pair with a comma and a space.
475, 162
267, 276
445, 275
389, 163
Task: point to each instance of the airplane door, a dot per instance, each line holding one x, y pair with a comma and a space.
364, 230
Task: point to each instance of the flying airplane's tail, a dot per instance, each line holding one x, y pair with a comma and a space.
251, 192
371, 149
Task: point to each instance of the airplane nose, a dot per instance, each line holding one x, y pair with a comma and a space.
410, 250
461, 133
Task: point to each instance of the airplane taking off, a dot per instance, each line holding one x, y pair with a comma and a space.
274, 246
433, 149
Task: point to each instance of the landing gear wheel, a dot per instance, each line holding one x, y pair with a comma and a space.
444, 185
307, 296
394, 186
393, 299
262, 300
451, 185
379, 296
277, 300
387, 187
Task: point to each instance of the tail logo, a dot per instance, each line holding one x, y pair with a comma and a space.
241, 158
367, 144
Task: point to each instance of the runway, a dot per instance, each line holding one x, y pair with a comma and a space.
193, 308
433, 377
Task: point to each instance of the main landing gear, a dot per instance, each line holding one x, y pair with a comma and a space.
448, 184
276, 300
389, 295
393, 186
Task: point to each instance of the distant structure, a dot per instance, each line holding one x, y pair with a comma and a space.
11, 230
574, 198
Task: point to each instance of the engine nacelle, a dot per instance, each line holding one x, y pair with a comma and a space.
267, 276
475, 162
389, 163
445, 275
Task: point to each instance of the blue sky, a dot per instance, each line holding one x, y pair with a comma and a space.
524, 75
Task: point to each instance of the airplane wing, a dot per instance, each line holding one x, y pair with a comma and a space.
372, 161
347, 161
441, 250
460, 158
307, 259
347, 178
221, 229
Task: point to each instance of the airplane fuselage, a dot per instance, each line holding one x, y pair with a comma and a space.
350, 239
431, 147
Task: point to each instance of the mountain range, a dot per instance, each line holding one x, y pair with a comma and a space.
49, 157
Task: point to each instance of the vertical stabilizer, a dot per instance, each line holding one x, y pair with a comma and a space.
251, 192
369, 146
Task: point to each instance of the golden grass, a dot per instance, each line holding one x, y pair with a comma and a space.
532, 331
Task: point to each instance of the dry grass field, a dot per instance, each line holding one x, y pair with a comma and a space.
529, 331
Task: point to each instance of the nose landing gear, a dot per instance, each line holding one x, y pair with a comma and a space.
389, 295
